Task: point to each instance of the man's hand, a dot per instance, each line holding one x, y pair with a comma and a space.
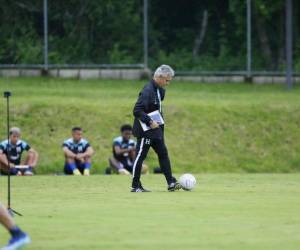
154, 125
11, 165
130, 149
79, 157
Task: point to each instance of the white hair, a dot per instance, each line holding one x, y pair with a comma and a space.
15, 130
164, 71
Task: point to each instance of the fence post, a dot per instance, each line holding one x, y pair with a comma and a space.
249, 51
145, 34
45, 35
289, 44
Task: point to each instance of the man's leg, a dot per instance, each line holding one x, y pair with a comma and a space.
71, 167
129, 168
129, 165
164, 161
31, 161
145, 169
143, 145
4, 170
117, 166
80, 166
5, 218
19, 238
87, 166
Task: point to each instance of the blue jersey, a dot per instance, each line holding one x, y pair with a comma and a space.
15, 151
76, 147
119, 141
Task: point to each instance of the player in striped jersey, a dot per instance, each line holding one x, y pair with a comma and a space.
124, 152
78, 153
13, 150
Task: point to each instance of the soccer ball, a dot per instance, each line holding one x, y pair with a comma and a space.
187, 181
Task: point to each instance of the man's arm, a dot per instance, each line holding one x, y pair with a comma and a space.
139, 110
132, 154
3, 159
120, 151
68, 152
89, 152
34, 156
140, 106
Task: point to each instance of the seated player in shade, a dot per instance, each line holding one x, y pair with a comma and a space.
16, 147
78, 153
124, 152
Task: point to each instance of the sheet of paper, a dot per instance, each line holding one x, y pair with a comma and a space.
155, 116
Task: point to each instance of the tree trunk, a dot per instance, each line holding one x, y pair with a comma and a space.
263, 37
281, 42
199, 39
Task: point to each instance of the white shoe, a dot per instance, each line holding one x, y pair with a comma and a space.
28, 173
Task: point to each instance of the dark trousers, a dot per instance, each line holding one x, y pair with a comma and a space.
143, 146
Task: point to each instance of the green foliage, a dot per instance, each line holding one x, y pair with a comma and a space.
210, 128
29, 48
181, 59
111, 31
116, 55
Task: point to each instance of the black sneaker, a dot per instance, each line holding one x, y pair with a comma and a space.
144, 189
174, 186
139, 190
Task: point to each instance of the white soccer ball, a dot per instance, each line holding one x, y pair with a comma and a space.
187, 181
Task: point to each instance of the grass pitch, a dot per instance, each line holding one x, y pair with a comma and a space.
225, 211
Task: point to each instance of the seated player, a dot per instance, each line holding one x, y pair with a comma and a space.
18, 237
16, 147
78, 153
124, 152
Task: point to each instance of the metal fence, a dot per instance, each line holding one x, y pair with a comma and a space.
247, 60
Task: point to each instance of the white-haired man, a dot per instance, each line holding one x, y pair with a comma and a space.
149, 100
11, 153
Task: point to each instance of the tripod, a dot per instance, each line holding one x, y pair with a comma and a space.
7, 94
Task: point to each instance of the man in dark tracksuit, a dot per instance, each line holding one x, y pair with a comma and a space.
149, 100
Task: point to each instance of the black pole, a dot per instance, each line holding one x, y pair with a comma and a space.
249, 52
145, 35
7, 94
289, 43
45, 35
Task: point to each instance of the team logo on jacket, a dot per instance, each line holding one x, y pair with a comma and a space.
14, 158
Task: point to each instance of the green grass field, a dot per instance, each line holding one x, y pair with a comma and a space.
215, 128
225, 211
210, 127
